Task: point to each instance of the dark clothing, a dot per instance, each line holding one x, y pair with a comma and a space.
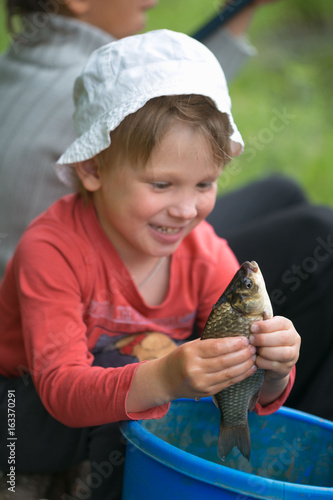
43, 443
272, 222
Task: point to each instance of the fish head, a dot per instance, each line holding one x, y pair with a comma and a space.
247, 291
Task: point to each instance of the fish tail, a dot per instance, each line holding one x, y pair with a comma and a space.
229, 437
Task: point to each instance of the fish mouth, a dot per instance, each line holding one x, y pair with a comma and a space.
250, 266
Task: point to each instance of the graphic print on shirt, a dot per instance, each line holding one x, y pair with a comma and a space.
121, 335
120, 350
125, 319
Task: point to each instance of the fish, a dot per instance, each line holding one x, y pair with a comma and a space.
244, 301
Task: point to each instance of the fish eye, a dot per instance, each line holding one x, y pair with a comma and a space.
248, 283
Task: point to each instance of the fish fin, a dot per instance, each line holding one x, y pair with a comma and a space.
253, 401
230, 437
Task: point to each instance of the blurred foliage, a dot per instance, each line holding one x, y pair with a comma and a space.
282, 98
293, 71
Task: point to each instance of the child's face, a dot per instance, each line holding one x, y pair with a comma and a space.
149, 210
120, 18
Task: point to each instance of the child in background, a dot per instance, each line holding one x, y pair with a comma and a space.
106, 285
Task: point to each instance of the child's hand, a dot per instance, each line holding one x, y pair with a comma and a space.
194, 370
278, 345
204, 367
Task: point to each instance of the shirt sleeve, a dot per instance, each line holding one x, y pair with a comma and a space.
275, 405
52, 280
231, 51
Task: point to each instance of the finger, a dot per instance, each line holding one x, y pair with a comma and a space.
283, 338
225, 361
277, 323
204, 381
285, 354
215, 347
231, 379
276, 339
274, 367
270, 365
217, 384
230, 365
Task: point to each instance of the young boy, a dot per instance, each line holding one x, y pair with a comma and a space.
105, 287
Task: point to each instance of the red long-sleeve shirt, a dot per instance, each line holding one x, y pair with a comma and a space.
66, 288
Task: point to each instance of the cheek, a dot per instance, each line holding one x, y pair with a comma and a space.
129, 20
206, 205
141, 210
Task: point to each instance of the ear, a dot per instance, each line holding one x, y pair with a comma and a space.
235, 148
88, 172
78, 8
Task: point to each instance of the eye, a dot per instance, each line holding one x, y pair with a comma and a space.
160, 186
205, 185
248, 283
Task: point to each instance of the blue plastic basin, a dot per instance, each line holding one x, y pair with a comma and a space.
176, 457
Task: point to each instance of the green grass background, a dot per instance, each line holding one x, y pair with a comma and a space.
292, 75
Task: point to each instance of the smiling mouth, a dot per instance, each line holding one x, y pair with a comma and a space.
165, 229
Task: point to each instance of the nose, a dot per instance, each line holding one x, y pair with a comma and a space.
185, 209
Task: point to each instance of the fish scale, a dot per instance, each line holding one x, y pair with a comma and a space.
244, 301
233, 403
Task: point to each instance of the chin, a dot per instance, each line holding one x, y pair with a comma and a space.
136, 28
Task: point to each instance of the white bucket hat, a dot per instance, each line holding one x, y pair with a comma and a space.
122, 76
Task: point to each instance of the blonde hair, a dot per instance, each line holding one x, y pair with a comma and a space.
140, 132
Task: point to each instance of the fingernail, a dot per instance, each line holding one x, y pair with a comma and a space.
246, 341
254, 328
253, 349
254, 368
254, 357
251, 339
